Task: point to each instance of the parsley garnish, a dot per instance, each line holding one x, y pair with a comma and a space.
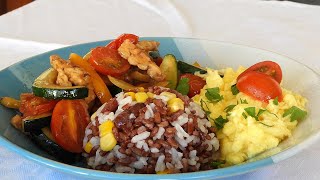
260, 112
217, 164
244, 115
183, 86
275, 101
251, 111
266, 124
234, 89
295, 113
229, 108
213, 95
243, 101
219, 122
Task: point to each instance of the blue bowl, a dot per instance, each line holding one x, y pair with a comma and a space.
19, 77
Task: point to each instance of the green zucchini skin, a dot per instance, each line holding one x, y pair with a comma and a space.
68, 93
45, 143
170, 69
33, 123
44, 86
188, 68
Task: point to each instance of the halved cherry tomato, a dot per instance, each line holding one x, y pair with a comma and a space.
267, 67
32, 105
108, 61
196, 83
68, 123
115, 44
259, 86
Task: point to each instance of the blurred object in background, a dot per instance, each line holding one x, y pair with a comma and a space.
9, 5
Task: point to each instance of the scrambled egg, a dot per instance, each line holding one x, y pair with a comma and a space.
244, 136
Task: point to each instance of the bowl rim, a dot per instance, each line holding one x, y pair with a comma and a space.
215, 173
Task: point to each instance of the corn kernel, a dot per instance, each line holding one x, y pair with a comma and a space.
108, 142
141, 97
88, 147
169, 95
166, 171
105, 128
175, 105
132, 94
150, 94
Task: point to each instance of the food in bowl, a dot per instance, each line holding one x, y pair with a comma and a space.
56, 114
155, 130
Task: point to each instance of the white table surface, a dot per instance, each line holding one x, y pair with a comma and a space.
288, 28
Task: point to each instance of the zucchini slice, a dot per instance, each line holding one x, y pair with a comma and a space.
170, 70
43, 138
32, 123
44, 86
188, 68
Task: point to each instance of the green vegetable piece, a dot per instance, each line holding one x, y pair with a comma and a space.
183, 86
243, 101
266, 124
295, 113
244, 115
202, 102
275, 101
170, 69
234, 89
217, 164
229, 108
251, 111
213, 94
260, 112
188, 68
219, 122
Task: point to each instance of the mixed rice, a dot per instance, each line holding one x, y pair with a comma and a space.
149, 137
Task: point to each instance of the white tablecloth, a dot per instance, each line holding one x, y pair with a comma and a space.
288, 28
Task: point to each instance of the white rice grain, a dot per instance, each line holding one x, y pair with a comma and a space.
154, 150
95, 141
104, 117
181, 120
160, 166
132, 116
124, 169
159, 133
140, 137
149, 113
180, 131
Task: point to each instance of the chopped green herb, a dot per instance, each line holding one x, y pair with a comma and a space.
229, 108
219, 122
183, 86
275, 101
202, 102
266, 124
251, 111
244, 115
295, 113
260, 112
234, 89
213, 95
243, 101
217, 164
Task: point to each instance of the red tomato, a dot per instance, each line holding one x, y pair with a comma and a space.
267, 67
108, 61
32, 105
115, 44
196, 83
68, 123
259, 86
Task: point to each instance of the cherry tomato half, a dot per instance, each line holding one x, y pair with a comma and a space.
108, 61
196, 83
115, 44
68, 123
32, 105
259, 86
267, 67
